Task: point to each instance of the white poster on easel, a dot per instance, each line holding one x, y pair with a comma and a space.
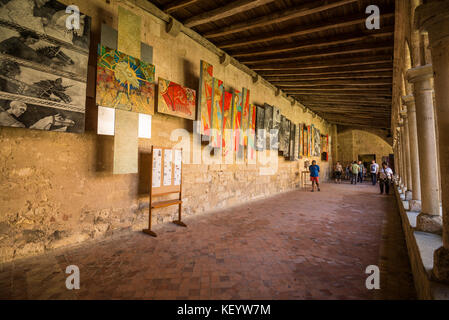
157, 168
177, 173
168, 159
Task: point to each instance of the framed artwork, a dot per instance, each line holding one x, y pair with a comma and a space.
287, 138
292, 146
252, 133
297, 137
176, 100
124, 82
237, 121
217, 113
260, 130
276, 127
43, 67
245, 116
227, 124
205, 97
268, 125
317, 143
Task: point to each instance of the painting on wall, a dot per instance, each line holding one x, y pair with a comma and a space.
124, 82
43, 67
276, 127
176, 100
227, 124
260, 129
287, 138
205, 97
217, 113
252, 133
237, 121
325, 147
300, 140
245, 116
284, 135
268, 125
317, 143
292, 147
297, 137
306, 140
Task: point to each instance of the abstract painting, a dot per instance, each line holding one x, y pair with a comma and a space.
124, 82
316, 142
176, 100
297, 137
268, 125
205, 97
276, 127
252, 133
260, 130
217, 113
292, 149
245, 116
237, 107
227, 124
43, 67
309, 141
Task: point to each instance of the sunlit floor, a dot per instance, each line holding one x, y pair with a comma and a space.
298, 245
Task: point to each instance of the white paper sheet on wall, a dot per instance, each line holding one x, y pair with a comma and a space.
144, 126
106, 121
157, 168
177, 173
167, 167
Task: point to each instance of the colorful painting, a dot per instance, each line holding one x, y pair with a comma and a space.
176, 100
268, 125
227, 124
252, 133
245, 116
205, 97
124, 82
260, 130
217, 113
43, 67
237, 107
309, 141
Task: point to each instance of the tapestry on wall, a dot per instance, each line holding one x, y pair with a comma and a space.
245, 116
300, 136
43, 67
317, 143
284, 136
124, 82
260, 130
252, 133
237, 121
296, 155
176, 100
205, 97
217, 113
276, 128
227, 124
268, 125
292, 150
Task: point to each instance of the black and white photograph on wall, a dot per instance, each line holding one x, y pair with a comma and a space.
291, 151
316, 142
260, 130
43, 65
287, 138
276, 126
268, 124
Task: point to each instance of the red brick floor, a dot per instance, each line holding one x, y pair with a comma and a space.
298, 245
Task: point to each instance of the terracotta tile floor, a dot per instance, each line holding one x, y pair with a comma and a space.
298, 245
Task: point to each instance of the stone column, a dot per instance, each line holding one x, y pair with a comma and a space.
415, 203
404, 160
433, 17
429, 219
408, 167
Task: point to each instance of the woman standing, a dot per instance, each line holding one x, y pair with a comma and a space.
338, 172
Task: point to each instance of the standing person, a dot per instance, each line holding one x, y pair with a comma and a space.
338, 172
314, 175
385, 177
374, 170
355, 169
361, 169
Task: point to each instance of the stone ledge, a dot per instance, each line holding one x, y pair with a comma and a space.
421, 246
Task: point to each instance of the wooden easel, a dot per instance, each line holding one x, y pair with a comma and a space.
160, 189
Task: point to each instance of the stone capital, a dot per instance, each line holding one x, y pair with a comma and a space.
409, 101
420, 73
433, 17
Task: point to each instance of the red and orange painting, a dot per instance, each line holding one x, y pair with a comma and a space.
205, 97
237, 119
176, 100
252, 133
227, 124
245, 116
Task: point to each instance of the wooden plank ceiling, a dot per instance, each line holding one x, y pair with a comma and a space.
318, 51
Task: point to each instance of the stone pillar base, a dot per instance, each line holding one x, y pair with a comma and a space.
428, 223
441, 265
415, 205
408, 195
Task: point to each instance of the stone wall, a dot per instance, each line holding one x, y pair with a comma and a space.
353, 142
56, 189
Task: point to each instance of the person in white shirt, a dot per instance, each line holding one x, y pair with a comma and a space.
385, 178
374, 170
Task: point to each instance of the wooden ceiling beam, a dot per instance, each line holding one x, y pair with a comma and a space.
327, 71
312, 99
387, 31
279, 16
325, 103
357, 49
357, 93
373, 75
300, 31
314, 83
335, 88
222, 12
176, 5
361, 125
344, 62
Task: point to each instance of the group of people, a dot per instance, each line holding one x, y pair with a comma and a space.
356, 171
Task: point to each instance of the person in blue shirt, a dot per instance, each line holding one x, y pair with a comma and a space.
314, 175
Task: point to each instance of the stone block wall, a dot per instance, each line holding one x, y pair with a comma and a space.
56, 189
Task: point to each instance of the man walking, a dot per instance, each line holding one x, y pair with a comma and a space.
355, 169
385, 177
314, 175
361, 169
374, 170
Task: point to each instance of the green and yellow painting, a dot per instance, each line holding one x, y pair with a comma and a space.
124, 82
